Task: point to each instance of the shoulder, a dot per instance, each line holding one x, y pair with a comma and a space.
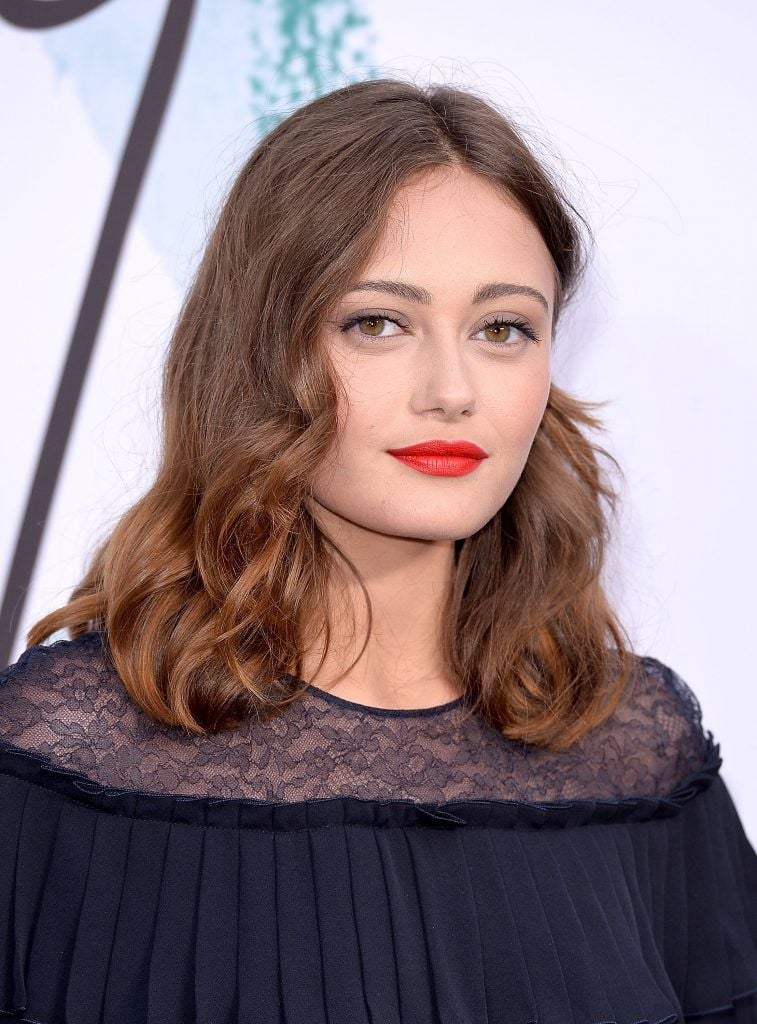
64, 662
661, 697
657, 725
667, 696
648, 745
54, 695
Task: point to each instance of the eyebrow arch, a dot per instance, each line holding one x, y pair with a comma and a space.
484, 293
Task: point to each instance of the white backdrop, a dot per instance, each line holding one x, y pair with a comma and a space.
650, 107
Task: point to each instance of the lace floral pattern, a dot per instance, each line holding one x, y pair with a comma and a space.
66, 702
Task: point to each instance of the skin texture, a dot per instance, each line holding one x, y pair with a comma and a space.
437, 373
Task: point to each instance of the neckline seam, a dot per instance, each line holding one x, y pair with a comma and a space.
371, 710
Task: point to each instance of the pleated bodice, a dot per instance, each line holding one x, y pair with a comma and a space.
342, 864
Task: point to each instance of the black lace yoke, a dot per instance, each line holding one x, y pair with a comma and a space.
343, 864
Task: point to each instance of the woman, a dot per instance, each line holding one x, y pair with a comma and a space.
346, 729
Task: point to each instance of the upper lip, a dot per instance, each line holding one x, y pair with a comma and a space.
467, 449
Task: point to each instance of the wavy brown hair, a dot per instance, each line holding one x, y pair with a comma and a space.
212, 585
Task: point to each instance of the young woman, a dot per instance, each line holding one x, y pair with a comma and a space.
345, 730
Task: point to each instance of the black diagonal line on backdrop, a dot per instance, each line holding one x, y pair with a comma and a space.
131, 171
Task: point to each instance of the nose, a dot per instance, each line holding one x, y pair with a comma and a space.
446, 378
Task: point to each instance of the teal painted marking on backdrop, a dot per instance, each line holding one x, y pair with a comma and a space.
245, 62
304, 48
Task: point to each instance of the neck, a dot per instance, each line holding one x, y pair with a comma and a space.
401, 665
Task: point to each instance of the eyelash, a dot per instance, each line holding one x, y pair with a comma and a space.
525, 328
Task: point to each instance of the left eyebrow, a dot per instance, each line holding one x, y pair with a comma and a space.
485, 293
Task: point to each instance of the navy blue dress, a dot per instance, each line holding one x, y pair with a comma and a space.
342, 864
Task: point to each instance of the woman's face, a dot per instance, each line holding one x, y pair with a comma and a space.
431, 367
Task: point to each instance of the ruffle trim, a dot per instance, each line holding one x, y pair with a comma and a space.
272, 816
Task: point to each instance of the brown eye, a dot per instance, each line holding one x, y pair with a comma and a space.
499, 332
508, 333
374, 325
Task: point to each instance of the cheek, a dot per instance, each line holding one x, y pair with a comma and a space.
349, 469
368, 414
518, 406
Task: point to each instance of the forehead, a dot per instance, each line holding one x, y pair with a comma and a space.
447, 194
454, 226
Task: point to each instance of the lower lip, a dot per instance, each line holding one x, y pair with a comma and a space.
440, 465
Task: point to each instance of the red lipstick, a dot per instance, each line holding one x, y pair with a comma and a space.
441, 458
